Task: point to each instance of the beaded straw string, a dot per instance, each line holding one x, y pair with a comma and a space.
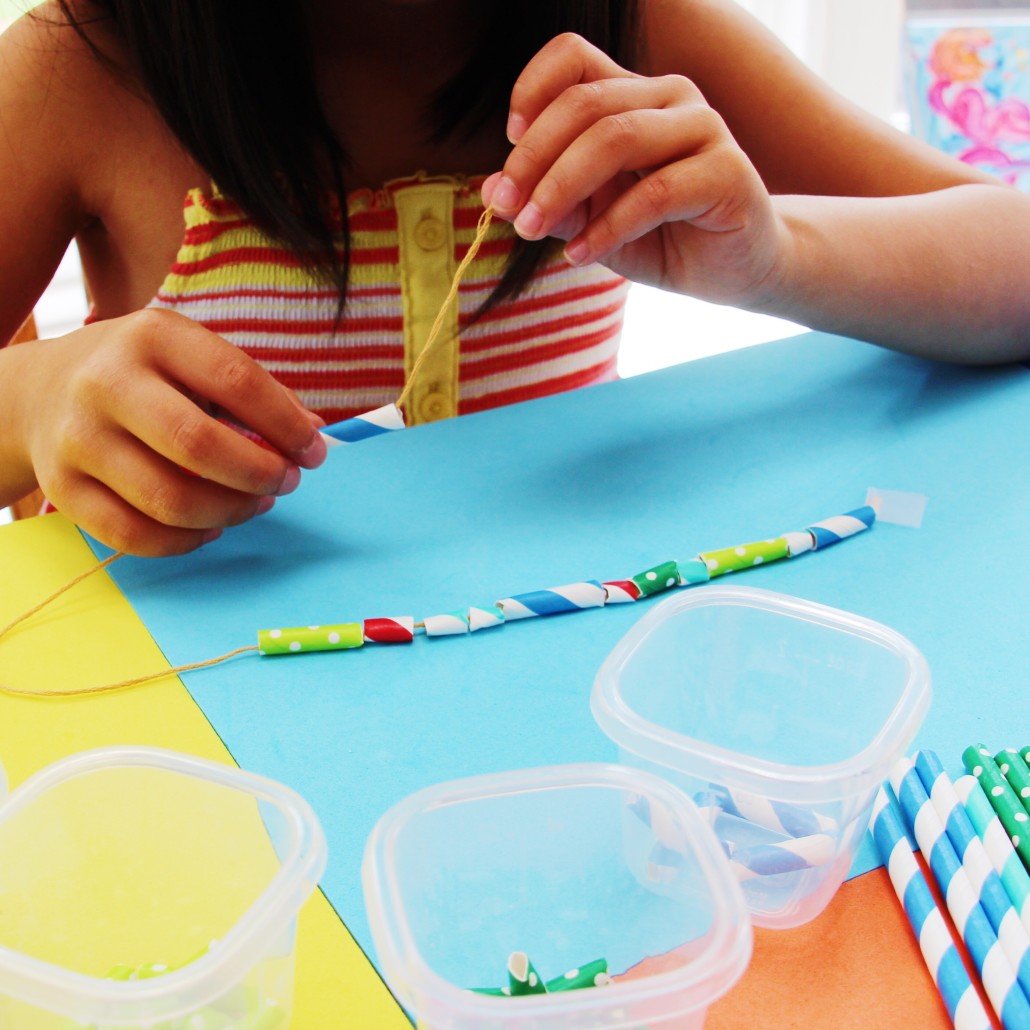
573, 597
482, 226
701, 568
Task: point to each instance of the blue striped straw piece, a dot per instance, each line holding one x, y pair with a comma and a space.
386, 419
553, 601
994, 899
778, 816
997, 843
840, 527
789, 856
942, 959
996, 971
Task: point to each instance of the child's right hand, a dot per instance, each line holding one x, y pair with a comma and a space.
115, 421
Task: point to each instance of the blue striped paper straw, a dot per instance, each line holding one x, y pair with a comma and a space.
1007, 863
386, 419
994, 899
939, 952
996, 971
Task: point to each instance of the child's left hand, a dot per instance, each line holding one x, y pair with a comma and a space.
637, 173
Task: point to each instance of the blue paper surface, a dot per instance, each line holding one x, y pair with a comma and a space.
601, 484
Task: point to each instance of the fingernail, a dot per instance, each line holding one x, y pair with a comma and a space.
211, 534
314, 453
529, 221
576, 252
506, 195
516, 128
290, 482
263, 505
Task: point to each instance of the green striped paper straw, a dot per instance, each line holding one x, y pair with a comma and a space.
1014, 768
979, 761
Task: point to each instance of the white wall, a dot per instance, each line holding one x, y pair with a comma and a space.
853, 44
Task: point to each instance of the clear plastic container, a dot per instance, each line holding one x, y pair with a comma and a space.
567, 865
145, 888
779, 717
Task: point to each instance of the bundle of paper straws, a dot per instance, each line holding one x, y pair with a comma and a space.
973, 835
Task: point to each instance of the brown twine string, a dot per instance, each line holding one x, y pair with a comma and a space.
431, 340
481, 229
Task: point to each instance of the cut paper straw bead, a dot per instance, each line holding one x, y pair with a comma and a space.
399, 630
593, 974
840, 527
692, 571
570, 598
522, 977
340, 637
942, 959
996, 843
778, 816
485, 618
446, 625
620, 591
1014, 768
978, 760
745, 556
986, 883
788, 856
386, 419
657, 580
996, 970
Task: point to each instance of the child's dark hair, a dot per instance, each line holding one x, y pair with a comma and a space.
235, 83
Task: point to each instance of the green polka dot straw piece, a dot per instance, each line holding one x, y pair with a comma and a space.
745, 556
1014, 768
661, 577
978, 761
593, 974
340, 637
522, 977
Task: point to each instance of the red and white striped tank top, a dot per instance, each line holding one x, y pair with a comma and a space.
407, 239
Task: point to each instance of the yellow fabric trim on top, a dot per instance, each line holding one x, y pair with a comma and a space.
425, 230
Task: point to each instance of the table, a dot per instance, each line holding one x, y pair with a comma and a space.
601, 483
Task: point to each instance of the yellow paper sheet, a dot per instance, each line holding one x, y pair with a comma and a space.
92, 636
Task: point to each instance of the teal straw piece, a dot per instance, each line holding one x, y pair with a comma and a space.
693, 570
1002, 854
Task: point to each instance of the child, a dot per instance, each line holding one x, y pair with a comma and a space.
674, 142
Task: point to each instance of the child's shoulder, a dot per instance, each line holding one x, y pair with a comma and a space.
70, 107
